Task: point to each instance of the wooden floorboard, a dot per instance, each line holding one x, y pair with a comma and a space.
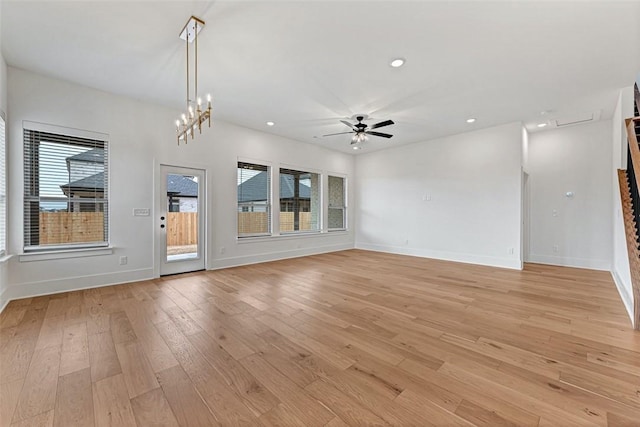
347, 338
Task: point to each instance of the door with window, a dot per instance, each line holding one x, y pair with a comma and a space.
181, 219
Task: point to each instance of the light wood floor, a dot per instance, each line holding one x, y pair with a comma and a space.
348, 338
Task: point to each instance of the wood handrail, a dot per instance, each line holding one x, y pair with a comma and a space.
632, 245
633, 147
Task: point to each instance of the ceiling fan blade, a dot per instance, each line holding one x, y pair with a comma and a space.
339, 133
347, 123
381, 124
384, 135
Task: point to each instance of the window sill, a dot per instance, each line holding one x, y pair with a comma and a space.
65, 254
289, 236
4, 258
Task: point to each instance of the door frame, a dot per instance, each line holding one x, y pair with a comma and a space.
159, 235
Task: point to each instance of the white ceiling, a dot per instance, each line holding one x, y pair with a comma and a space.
307, 64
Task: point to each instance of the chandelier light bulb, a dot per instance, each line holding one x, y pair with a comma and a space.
199, 101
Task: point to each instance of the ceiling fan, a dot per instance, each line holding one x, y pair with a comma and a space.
361, 130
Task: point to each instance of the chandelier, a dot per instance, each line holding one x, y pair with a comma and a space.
195, 116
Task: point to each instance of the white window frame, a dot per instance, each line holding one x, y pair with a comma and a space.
276, 182
72, 133
269, 204
344, 198
3, 185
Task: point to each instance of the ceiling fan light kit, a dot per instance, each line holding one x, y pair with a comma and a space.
195, 115
361, 130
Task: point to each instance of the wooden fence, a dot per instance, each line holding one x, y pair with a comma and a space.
256, 222
182, 228
71, 227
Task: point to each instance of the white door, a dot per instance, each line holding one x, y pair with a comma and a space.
181, 219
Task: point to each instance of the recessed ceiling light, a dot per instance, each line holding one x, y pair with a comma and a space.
356, 147
270, 123
471, 120
398, 62
541, 125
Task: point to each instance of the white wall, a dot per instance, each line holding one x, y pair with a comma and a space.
620, 257
472, 186
574, 159
141, 137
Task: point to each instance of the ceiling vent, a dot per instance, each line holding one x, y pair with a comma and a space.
577, 119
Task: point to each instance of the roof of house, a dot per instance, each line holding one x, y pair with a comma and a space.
91, 182
177, 185
253, 189
95, 155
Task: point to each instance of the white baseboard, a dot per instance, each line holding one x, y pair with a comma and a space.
591, 264
49, 287
626, 297
276, 256
511, 263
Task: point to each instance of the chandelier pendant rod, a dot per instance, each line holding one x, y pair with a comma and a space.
192, 118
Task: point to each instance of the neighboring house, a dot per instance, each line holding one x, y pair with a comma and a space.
86, 181
252, 196
182, 193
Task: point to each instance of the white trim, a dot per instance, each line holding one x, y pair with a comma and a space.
79, 133
627, 299
511, 263
67, 284
289, 235
65, 254
276, 256
592, 264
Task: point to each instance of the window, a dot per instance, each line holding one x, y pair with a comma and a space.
299, 201
3, 189
337, 203
254, 189
65, 191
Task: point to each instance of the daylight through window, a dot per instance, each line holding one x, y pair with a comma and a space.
3, 189
65, 191
337, 203
299, 201
254, 213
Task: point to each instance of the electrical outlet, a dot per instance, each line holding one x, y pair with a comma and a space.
556, 248
123, 260
222, 250
554, 212
510, 251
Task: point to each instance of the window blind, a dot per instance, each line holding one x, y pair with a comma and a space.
3, 189
254, 208
66, 201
